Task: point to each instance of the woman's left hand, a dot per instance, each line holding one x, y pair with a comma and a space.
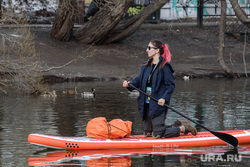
161, 102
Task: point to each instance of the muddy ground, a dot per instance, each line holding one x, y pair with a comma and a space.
194, 53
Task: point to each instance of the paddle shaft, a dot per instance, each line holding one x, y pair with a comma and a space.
223, 136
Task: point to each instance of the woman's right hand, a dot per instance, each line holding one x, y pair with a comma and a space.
125, 84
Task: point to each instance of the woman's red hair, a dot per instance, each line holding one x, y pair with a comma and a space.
164, 52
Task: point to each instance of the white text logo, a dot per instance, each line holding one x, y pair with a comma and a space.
220, 158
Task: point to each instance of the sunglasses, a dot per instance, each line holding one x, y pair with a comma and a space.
150, 47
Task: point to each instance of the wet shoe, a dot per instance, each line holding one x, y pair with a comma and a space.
177, 123
148, 134
189, 128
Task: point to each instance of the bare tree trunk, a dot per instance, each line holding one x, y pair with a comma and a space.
0, 9
96, 30
64, 21
80, 11
134, 24
240, 13
222, 39
101, 29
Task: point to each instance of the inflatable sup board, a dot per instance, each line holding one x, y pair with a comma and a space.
202, 139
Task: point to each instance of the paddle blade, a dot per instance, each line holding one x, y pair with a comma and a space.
226, 138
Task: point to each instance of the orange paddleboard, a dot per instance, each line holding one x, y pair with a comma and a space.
136, 141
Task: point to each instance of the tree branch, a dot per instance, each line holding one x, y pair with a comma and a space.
233, 65
244, 60
241, 14
68, 63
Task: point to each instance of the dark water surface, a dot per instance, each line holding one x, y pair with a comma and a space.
217, 104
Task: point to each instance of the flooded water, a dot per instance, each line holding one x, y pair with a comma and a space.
217, 104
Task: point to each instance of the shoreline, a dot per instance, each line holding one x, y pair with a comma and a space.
194, 53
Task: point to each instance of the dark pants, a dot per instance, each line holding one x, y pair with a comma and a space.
92, 10
171, 131
157, 125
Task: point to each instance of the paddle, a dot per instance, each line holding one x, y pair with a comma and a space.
223, 136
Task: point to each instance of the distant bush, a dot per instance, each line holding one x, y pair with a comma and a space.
20, 65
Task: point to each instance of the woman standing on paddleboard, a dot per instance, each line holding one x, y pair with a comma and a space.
156, 79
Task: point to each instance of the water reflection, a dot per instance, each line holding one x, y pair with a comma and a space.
214, 103
143, 157
217, 104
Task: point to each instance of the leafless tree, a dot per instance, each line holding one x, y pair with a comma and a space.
222, 29
104, 27
64, 21
241, 14
103, 22
124, 31
19, 64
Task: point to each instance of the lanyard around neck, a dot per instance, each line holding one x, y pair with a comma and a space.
150, 75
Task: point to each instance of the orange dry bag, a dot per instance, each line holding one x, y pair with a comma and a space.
120, 128
99, 128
